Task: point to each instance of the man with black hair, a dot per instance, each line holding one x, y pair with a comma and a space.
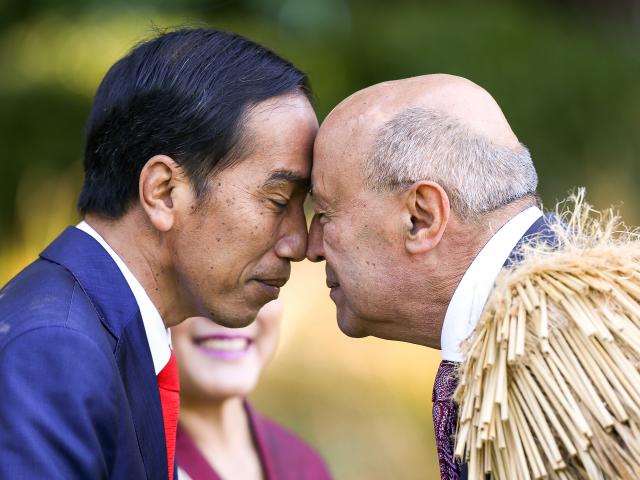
197, 162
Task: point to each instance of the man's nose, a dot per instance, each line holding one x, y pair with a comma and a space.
315, 245
293, 244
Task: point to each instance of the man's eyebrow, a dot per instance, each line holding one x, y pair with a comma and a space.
280, 177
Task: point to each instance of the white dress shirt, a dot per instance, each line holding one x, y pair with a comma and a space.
473, 291
158, 336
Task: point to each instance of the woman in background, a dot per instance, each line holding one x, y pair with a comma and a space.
220, 436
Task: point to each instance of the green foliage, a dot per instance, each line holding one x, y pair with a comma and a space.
567, 84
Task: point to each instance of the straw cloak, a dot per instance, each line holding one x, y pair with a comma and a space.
551, 384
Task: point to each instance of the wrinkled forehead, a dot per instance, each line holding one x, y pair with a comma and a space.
344, 141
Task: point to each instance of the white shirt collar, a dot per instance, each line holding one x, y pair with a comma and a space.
158, 336
473, 291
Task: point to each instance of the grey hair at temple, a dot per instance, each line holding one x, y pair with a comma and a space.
479, 176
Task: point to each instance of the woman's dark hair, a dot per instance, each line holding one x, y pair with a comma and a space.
183, 94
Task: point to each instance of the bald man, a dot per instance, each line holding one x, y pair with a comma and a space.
422, 192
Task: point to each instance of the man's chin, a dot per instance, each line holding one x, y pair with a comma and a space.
235, 318
352, 326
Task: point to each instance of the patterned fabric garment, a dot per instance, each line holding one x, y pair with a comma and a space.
445, 417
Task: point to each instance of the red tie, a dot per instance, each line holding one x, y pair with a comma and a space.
169, 386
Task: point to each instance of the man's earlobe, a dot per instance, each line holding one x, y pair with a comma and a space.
158, 179
428, 207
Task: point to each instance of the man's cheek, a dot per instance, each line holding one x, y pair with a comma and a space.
335, 239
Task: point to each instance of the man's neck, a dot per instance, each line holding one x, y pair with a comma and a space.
140, 252
460, 247
459, 256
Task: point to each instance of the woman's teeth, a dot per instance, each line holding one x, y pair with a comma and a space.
225, 344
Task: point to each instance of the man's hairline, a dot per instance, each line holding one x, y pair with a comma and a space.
240, 149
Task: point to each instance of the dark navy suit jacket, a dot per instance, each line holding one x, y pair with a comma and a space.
78, 392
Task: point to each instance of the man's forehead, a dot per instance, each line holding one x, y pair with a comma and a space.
338, 157
343, 140
318, 187
335, 182
347, 135
324, 184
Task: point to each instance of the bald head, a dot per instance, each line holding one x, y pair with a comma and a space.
452, 96
440, 128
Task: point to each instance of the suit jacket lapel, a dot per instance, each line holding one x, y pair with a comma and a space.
540, 230
136, 368
101, 279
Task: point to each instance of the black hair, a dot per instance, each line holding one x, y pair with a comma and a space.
182, 94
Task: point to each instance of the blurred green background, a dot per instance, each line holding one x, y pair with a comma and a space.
566, 73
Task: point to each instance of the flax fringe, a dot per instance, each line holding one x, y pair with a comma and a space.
551, 384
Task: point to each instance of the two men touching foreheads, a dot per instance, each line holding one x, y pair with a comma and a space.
200, 149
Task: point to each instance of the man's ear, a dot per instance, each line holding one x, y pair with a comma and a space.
428, 207
162, 185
